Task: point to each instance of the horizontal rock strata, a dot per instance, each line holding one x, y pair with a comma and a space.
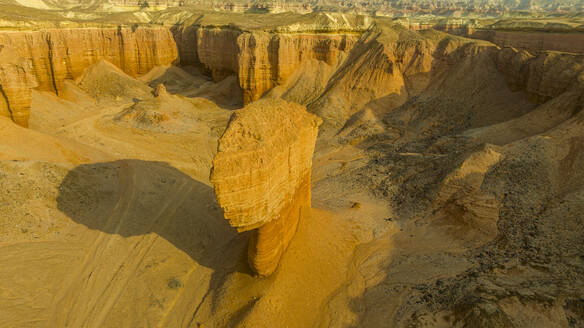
261, 175
260, 60
50, 57
543, 77
267, 60
16, 81
60, 54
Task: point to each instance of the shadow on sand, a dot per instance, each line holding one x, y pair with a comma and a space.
133, 197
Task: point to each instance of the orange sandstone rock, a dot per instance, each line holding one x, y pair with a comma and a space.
59, 54
260, 60
47, 58
16, 81
261, 175
267, 60
217, 51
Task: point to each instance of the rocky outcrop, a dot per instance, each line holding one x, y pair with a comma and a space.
260, 60
461, 202
532, 36
261, 175
267, 60
50, 57
16, 81
388, 65
218, 51
544, 76
60, 54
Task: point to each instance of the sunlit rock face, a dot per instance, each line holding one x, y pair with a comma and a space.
45, 59
16, 81
544, 76
261, 175
260, 60
267, 60
60, 54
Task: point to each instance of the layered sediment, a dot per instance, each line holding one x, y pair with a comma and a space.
59, 54
538, 75
260, 60
261, 175
52, 56
267, 60
531, 36
218, 51
16, 81
313, 68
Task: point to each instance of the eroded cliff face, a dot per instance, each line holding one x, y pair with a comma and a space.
320, 70
60, 54
544, 76
261, 175
386, 67
268, 60
52, 56
218, 51
530, 35
16, 81
260, 60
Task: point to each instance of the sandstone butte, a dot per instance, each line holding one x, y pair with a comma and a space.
261, 175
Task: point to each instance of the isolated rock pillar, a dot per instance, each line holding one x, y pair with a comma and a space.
261, 175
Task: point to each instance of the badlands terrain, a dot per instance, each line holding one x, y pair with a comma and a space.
177, 165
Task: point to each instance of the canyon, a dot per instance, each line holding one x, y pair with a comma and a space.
187, 168
261, 61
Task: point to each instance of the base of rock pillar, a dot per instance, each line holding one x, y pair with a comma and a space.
268, 243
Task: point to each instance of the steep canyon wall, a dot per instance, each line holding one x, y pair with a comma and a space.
260, 60
59, 54
544, 76
16, 83
388, 66
52, 56
529, 40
